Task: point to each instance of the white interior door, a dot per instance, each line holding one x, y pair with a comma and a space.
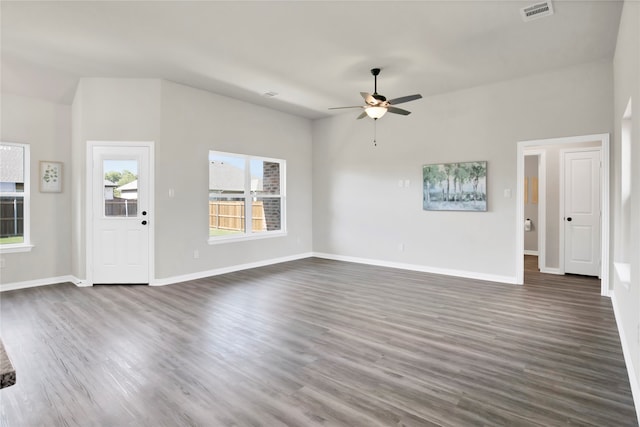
582, 212
120, 214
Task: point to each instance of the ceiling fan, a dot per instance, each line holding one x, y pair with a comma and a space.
377, 105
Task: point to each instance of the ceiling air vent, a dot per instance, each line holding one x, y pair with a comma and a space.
535, 11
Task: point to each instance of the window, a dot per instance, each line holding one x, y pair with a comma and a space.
246, 196
14, 197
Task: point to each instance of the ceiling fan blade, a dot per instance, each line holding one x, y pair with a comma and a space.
340, 108
362, 115
395, 110
368, 98
405, 99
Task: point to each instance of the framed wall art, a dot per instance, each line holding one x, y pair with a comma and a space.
455, 186
50, 177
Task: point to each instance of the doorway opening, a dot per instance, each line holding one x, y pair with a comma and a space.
535, 206
552, 219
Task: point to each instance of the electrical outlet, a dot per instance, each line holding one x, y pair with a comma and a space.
1, 262
401, 247
196, 254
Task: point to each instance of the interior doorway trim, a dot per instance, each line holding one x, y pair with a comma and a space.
88, 223
523, 146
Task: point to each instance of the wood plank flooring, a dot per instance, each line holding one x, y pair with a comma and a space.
316, 343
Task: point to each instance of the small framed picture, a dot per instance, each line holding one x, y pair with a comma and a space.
50, 177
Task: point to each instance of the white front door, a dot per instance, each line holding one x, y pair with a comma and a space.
582, 212
120, 214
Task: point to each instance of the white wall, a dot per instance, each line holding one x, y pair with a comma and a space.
359, 210
186, 123
107, 110
194, 122
46, 128
626, 299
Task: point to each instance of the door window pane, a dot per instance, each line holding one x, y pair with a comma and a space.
120, 188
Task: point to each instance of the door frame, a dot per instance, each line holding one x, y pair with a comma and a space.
561, 232
89, 203
603, 138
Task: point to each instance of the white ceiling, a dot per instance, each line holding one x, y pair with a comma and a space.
315, 55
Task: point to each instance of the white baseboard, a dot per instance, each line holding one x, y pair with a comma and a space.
223, 270
534, 253
37, 282
631, 369
230, 269
421, 268
157, 282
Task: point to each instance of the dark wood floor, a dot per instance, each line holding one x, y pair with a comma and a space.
316, 342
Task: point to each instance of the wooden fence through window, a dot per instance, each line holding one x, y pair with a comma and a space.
121, 207
229, 215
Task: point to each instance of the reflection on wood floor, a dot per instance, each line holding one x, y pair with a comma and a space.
316, 343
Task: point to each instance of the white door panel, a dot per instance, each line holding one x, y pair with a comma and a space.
582, 212
581, 244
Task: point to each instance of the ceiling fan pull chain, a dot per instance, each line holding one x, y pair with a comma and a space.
375, 128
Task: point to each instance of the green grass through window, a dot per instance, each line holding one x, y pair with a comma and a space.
11, 240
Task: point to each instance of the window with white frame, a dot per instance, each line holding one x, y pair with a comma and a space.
246, 196
14, 196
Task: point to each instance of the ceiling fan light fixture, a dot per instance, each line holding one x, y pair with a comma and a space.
377, 105
375, 112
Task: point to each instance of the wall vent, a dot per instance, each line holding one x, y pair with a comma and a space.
536, 11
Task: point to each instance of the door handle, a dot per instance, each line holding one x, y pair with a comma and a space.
569, 219
144, 222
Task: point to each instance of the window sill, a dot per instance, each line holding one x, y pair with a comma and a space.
230, 239
8, 249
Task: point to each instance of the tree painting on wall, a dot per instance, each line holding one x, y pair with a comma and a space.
455, 186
